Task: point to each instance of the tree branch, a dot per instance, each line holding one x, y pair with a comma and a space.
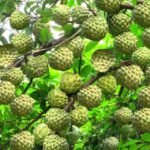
28, 86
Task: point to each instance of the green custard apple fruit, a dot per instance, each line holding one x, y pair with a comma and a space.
146, 37
70, 83
19, 20
22, 105
90, 96
94, 28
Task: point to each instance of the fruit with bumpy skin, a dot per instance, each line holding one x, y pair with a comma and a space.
108, 5
57, 119
22, 105
35, 66
146, 37
22, 141
147, 75
111, 143
55, 142
80, 14
79, 116
40, 132
70, 83
61, 59
7, 92
107, 84
128, 131
76, 46
61, 14
118, 24
13, 75
8, 55
38, 26
19, 20
94, 28
22, 42
57, 98
123, 116
141, 120
126, 43
141, 14
144, 97
141, 57
103, 60
72, 137
90, 96
130, 76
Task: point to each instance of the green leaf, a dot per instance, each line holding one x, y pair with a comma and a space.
145, 137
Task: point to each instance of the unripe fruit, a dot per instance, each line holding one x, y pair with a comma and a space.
19, 20
130, 76
111, 143
61, 14
70, 83
146, 37
57, 98
55, 142
103, 60
7, 92
123, 116
22, 105
108, 5
79, 116
57, 119
40, 132
126, 43
22, 141
90, 96
107, 84
147, 75
141, 120
35, 66
61, 59
118, 24
94, 28
22, 42
141, 14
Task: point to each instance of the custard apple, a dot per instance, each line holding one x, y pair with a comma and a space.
61, 59
40, 132
128, 130
118, 24
103, 60
130, 76
146, 37
90, 96
126, 43
7, 92
141, 120
141, 14
144, 97
79, 116
22, 42
14, 75
22, 105
57, 98
61, 14
55, 142
35, 66
110, 6
141, 57
107, 84
76, 46
94, 28
57, 119
22, 141
19, 20
111, 143
72, 137
70, 83
123, 116
80, 14
147, 75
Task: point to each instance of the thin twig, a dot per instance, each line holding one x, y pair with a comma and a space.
80, 64
28, 86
